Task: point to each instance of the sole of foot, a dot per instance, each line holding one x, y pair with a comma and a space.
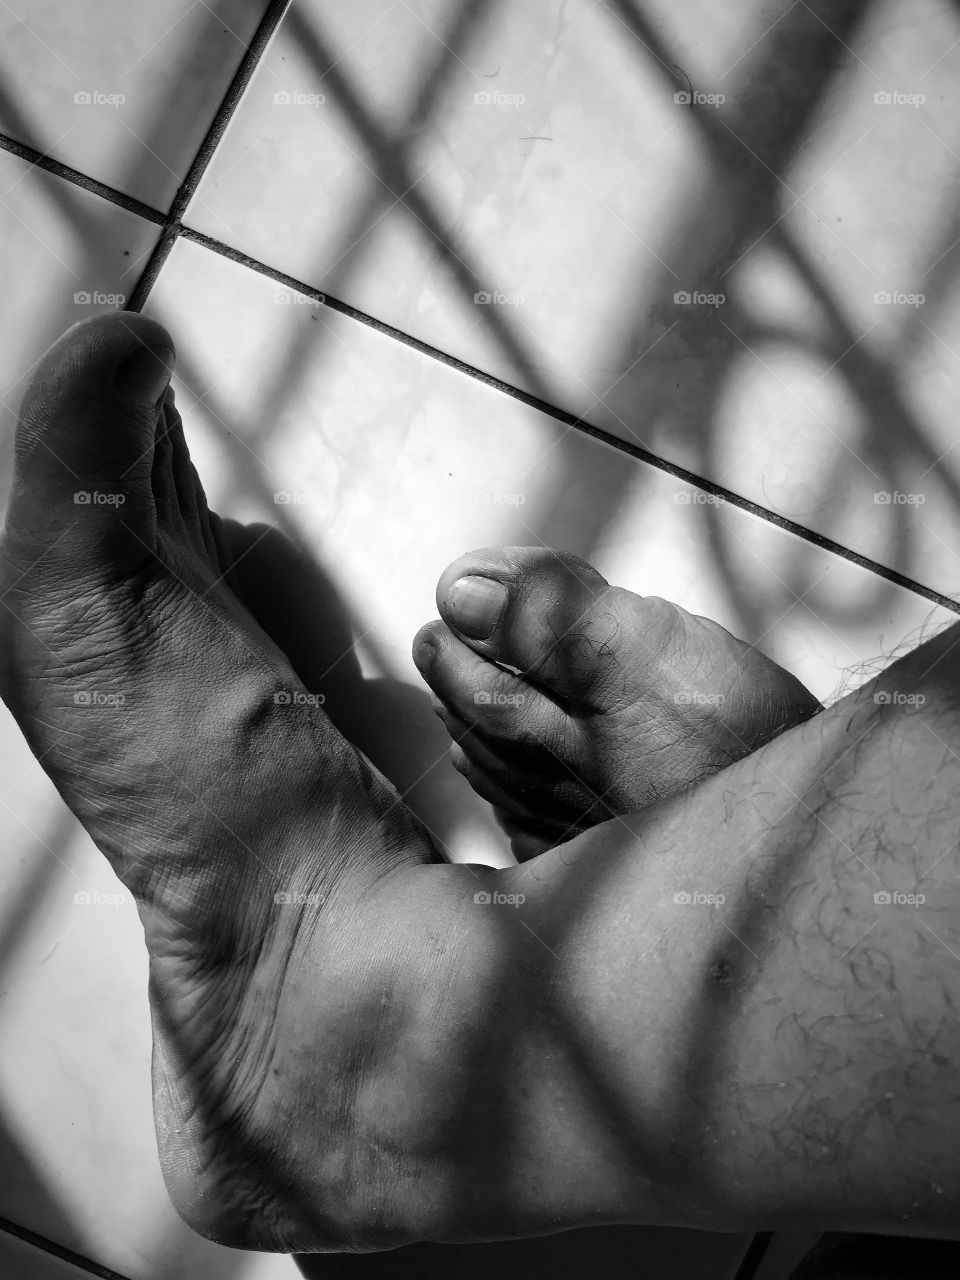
177, 731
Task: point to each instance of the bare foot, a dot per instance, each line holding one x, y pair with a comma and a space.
179, 734
614, 700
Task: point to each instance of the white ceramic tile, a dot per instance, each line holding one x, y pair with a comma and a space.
583, 196
150, 79
396, 463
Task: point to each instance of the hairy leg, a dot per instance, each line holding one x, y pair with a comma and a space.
788, 969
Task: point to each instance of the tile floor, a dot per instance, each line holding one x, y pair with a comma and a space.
27, 1262
402, 158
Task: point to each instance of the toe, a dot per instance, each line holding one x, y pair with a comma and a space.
505, 708
529, 840
180, 485
170, 512
516, 747
523, 797
539, 781
546, 613
84, 449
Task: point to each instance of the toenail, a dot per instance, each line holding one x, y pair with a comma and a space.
475, 605
143, 374
423, 655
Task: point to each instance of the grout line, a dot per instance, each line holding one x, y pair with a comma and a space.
211, 139
173, 229
255, 50
58, 1251
130, 203
571, 420
148, 276
754, 1255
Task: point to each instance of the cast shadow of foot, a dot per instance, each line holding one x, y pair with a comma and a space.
297, 603
616, 1253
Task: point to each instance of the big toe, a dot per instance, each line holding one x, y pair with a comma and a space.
547, 614
84, 445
